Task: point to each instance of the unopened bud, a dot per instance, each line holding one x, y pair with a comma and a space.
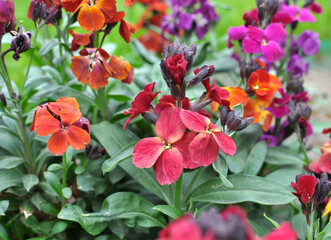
261, 13
273, 7
202, 74
84, 124
3, 99
150, 116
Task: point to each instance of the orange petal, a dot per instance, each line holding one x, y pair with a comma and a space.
267, 120
275, 83
251, 109
237, 95
90, 18
70, 5
77, 137
58, 143
98, 76
129, 2
80, 67
263, 76
214, 106
129, 79
45, 123
126, 29
121, 68
108, 8
69, 100
79, 38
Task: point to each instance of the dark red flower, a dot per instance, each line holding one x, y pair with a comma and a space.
141, 103
79, 39
7, 9
305, 188
176, 66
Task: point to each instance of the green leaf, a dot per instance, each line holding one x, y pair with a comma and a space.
67, 192
168, 210
284, 175
119, 228
48, 46
201, 54
120, 205
59, 227
119, 97
276, 224
146, 55
8, 162
3, 233
54, 167
222, 169
122, 155
29, 181
9, 178
3, 207
54, 182
283, 156
247, 188
235, 163
256, 158
327, 230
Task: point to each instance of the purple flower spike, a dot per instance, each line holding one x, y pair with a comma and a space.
297, 65
265, 41
278, 106
236, 34
309, 42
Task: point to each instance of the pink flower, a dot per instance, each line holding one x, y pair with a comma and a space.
296, 14
265, 41
284, 232
278, 107
236, 34
168, 152
205, 146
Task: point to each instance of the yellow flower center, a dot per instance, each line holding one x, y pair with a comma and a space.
264, 42
209, 131
166, 146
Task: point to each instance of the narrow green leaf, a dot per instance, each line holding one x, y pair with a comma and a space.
54, 182
29, 181
54, 167
48, 46
67, 192
283, 156
8, 162
247, 188
276, 224
168, 210
256, 158
3, 207
9, 178
59, 227
111, 163
3, 233
222, 169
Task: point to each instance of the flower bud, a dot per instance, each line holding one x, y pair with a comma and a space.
202, 74
322, 189
233, 121
150, 116
273, 7
3, 99
84, 124
261, 11
20, 43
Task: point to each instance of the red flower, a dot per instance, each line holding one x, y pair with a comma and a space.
92, 67
7, 9
305, 188
126, 29
64, 120
168, 152
176, 66
79, 39
284, 232
141, 103
205, 146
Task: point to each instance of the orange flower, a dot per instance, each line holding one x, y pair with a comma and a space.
122, 69
70, 5
94, 14
64, 120
92, 67
256, 110
79, 39
126, 29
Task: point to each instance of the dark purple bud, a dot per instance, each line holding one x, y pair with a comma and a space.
200, 103
84, 124
150, 116
3, 99
308, 3
273, 7
165, 73
55, 15
261, 13
245, 122
323, 188
295, 85
20, 43
109, 27
204, 73
224, 113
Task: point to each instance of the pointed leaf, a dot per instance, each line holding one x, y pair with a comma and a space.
256, 158
168, 210
3, 207
29, 181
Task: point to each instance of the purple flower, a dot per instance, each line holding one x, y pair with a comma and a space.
265, 41
185, 21
203, 17
278, 106
183, 3
271, 140
296, 14
309, 42
297, 65
302, 97
236, 34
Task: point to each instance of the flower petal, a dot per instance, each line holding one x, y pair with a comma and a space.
58, 143
45, 123
183, 146
126, 29
271, 51
90, 18
251, 46
255, 33
225, 143
146, 152
275, 32
306, 16
169, 166
194, 121
77, 137
99, 76
80, 67
169, 126
203, 149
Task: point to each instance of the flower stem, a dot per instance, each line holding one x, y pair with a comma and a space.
179, 104
64, 178
104, 105
96, 39
192, 183
178, 193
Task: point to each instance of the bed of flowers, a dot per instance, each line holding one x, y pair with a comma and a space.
185, 137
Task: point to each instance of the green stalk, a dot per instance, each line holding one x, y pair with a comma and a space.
178, 193
96, 39
64, 178
192, 183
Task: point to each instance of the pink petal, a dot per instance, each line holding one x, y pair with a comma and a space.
204, 149
183, 146
169, 166
306, 16
251, 46
169, 126
292, 11
146, 152
236, 33
194, 121
255, 33
225, 143
271, 51
275, 32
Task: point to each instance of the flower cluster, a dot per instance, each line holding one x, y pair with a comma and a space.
231, 223
174, 148
190, 16
64, 121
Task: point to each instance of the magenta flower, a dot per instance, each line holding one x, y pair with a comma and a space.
297, 65
296, 14
278, 106
168, 152
205, 146
265, 41
309, 42
236, 34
